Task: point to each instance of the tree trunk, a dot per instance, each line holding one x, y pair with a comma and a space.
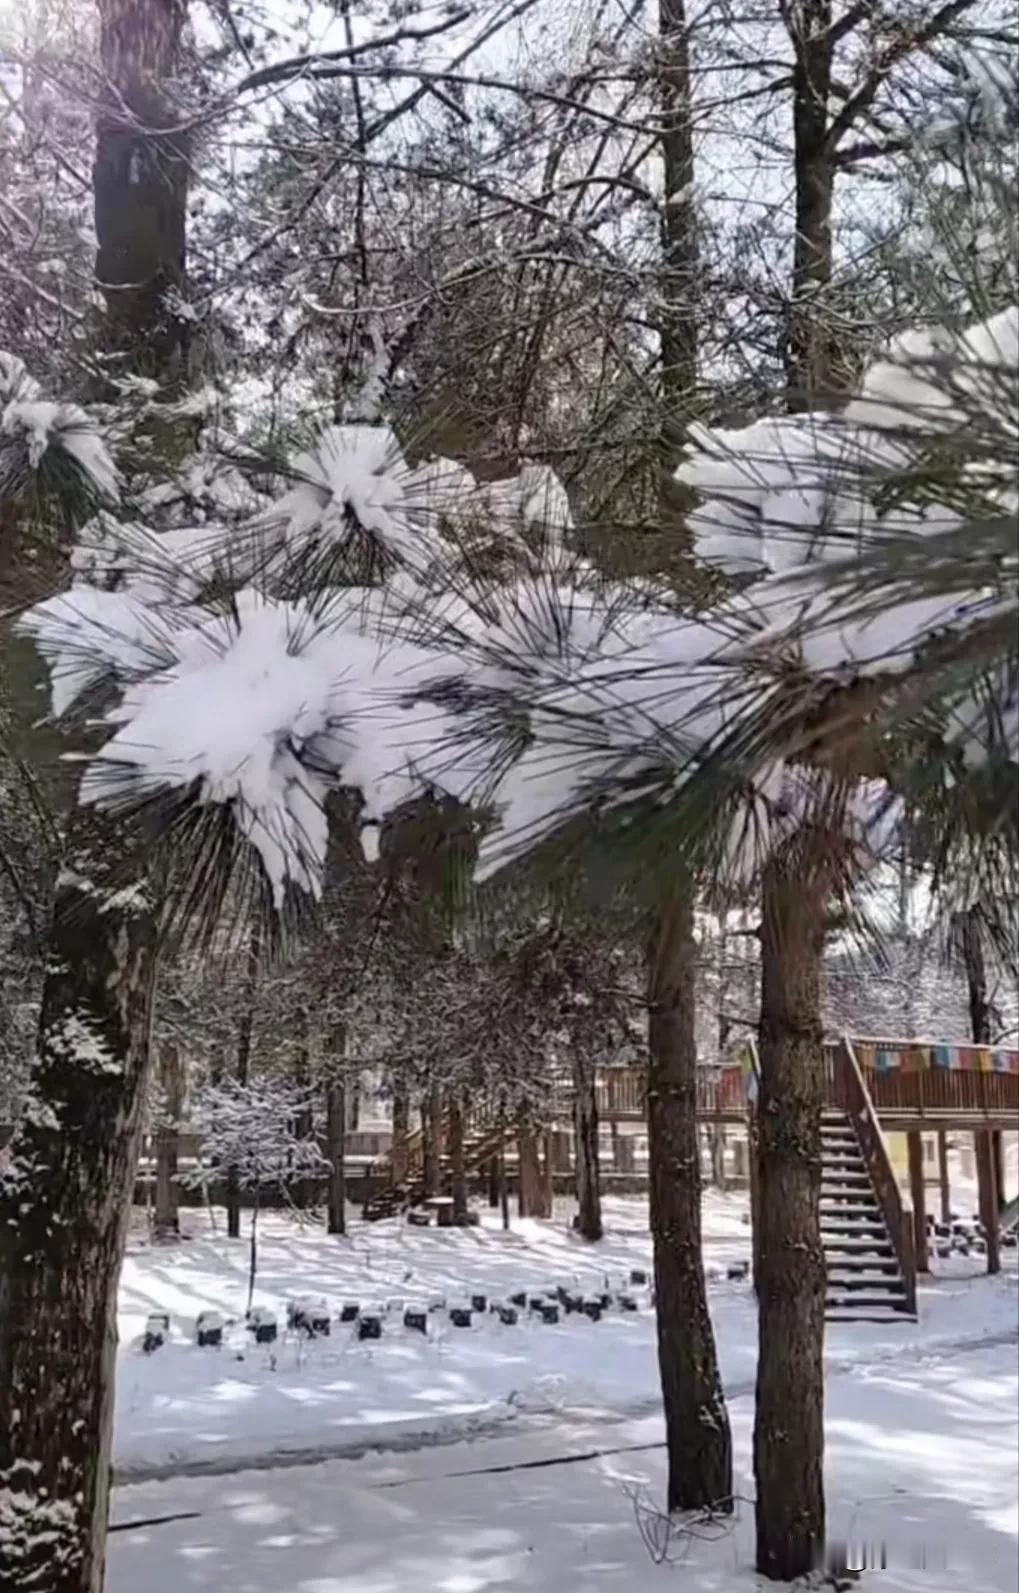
166, 1220
918, 1191
64, 1210
716, 1132
987, 1198
401, 1128
976, 978
336, 1135
457, 1174
503, 1187
547, 1180
303, 1120
789, 1426
431, 1141
809, 374
140, 184
980, 1027
65, 1202
245, 1032
253, 1260
696, 1421
585, 1128
530, 1185
680, 228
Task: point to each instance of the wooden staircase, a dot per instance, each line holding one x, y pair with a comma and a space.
865, 1274
485, 1132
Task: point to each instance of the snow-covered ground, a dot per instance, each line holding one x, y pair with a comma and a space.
190, 1409
921, 1464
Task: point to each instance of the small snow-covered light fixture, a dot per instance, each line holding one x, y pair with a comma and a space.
460, 1314
209, 1329
310, 1315
350, 1310
416, 1317
157, 1330
369, 1323
263, 1325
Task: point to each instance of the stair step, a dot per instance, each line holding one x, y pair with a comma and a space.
860, 1283
853, 1230
866, 1302
836, 1246
849, 1210
842, 1314
855, 1265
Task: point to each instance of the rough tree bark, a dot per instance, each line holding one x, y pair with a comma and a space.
530, 1184
457, 1174
696, 1421
697, 1428
166, 1218
303, 1120
809, 344
401, 1128
431, 1141
980, 1019
245, 1035
336, 1112
140, 184
585, 1130
789, 1425
336, 1135
67, 1197
64, 1208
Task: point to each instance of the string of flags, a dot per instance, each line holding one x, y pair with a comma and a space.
906, 1057
912, 1058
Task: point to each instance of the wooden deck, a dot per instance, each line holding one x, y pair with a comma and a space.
912, 1097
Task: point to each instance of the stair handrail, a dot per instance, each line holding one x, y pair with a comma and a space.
898, 1213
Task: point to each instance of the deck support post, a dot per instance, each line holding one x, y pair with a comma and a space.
987, 1196
943, 1178
998, 1147
914, 1140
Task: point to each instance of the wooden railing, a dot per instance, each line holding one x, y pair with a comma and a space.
941, 1092
620, 1091
934, 1092
856, 1101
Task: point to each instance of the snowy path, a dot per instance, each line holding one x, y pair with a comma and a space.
922, 1458
188, 1410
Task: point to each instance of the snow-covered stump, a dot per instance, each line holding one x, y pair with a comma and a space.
64, 1208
